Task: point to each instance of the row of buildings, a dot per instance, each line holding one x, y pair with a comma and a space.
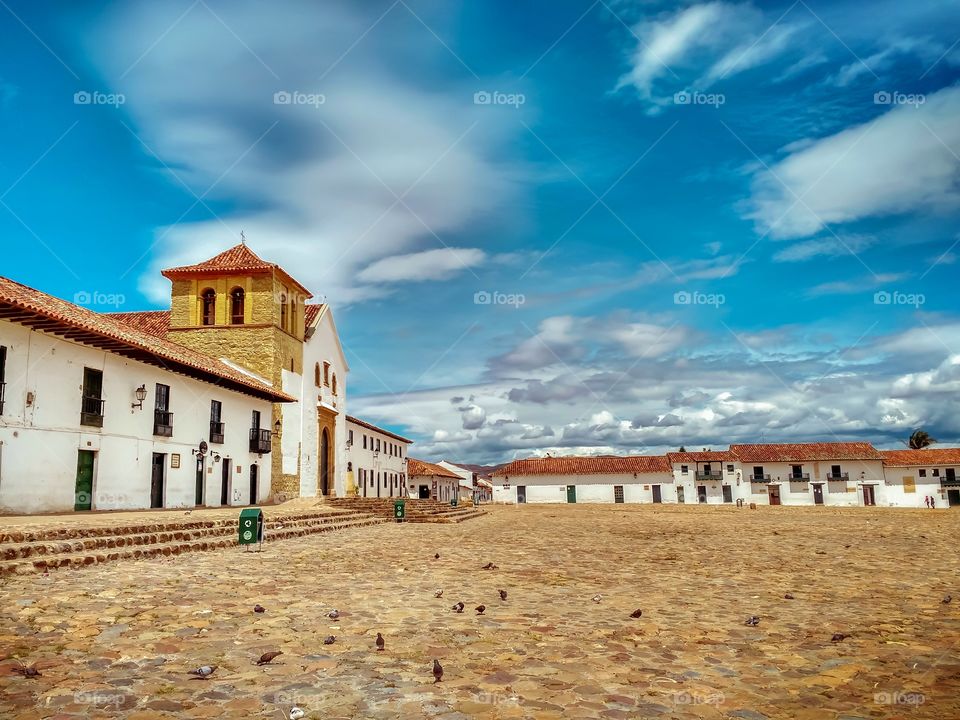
236, 395
830, 473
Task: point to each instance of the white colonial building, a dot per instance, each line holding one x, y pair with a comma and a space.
912, 476
376, 460
705, 477
468, 479
98, 415
432, 481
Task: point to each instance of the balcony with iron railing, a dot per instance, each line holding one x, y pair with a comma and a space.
839, 477
163, 423
260, 441
216, 433
950, 481
91, 411
799, 477
709, 475
759, 478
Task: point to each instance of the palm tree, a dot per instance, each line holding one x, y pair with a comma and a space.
682, 449
920, 439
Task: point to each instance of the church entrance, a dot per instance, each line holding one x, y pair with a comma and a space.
325, 463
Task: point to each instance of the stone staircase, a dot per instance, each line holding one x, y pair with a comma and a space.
42, 549
417, 511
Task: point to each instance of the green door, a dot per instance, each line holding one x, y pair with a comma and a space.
83, 493
571, 493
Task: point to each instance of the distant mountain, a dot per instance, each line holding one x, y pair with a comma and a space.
481, 470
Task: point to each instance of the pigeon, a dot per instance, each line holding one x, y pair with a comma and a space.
752, 621
329, 640
437, 556
458, 608
438, 593
437, 671
489, 566
204, 671
636, 613
839, 637
187, 512
28, 671
380, 642
503, 594
597, 598
334, 614
269, 657
480, 609
259, 608
296, 713
946, 599
788, 596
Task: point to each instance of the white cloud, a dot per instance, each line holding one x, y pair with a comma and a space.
900, 162
862, 284
439, 264
841, 246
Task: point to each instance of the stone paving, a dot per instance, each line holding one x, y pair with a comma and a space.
118, 640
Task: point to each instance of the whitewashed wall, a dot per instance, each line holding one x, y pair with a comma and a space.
589, 488
38, 464
895, 495
368, 460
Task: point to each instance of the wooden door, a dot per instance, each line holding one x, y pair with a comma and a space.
83, 491
198, 495
657, 497
156, 480
225, 482
571, 493
254, 484
774, 495
869, 498
818, 494
521, 494
618, 493
727, 494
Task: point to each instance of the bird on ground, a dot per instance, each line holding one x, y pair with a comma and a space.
380, 642
438, 593
334, 614
839, 637
269, 657
204, 671
458, 608
597, 598
636, 613
788, 596
187, 512
329, 640
437, 671
946, 599
28, 671
752, 621
258, 608
503, 594
480, 609
437, 556
489, 566
296, 713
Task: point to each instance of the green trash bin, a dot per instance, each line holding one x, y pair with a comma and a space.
453, 503
399, 510
251, 526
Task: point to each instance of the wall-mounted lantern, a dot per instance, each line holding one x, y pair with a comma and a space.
276, 428
216, 457
141, 394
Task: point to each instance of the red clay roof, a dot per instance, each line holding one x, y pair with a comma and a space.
39, 311
702, 456
371, 426
238, 260
417, 468
925, 457
805, 452
153, 322
311, 311
586, 465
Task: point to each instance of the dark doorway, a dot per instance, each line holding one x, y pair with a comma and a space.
727, 494
618, 493
701, 494
571, 493
818, 494
774, 495
953, 497
869, 497
156, 480
225, 482
83, 492
680, 494
254, 484
198, 500
521, 493
424, 492
657, 498
325, 464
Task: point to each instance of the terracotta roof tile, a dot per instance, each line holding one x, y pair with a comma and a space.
566, 465
419, 468
152, 322
805, 452
702, 456
926, 457
311, 312
374, 428
35, 309
238, 260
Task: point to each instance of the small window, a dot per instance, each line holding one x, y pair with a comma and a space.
378, 444
729, 468
334, 384
923, 472
350, 436
326, 373
936, 472
237, 297
316, 374
283, 312
758, 472
684, 469
364, 442
255, 420
208, 307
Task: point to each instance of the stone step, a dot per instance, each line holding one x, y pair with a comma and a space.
170, 533
82, 559
417, 510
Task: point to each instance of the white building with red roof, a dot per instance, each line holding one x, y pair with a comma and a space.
914, 476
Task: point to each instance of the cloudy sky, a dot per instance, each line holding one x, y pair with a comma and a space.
580, 227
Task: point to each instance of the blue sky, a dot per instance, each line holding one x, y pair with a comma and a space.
682, 213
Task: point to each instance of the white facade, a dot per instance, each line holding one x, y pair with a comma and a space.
466, 490
377, 459
42, 438
798, 485
922, 474
585, 488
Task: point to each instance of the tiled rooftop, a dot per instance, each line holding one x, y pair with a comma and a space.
586, 465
